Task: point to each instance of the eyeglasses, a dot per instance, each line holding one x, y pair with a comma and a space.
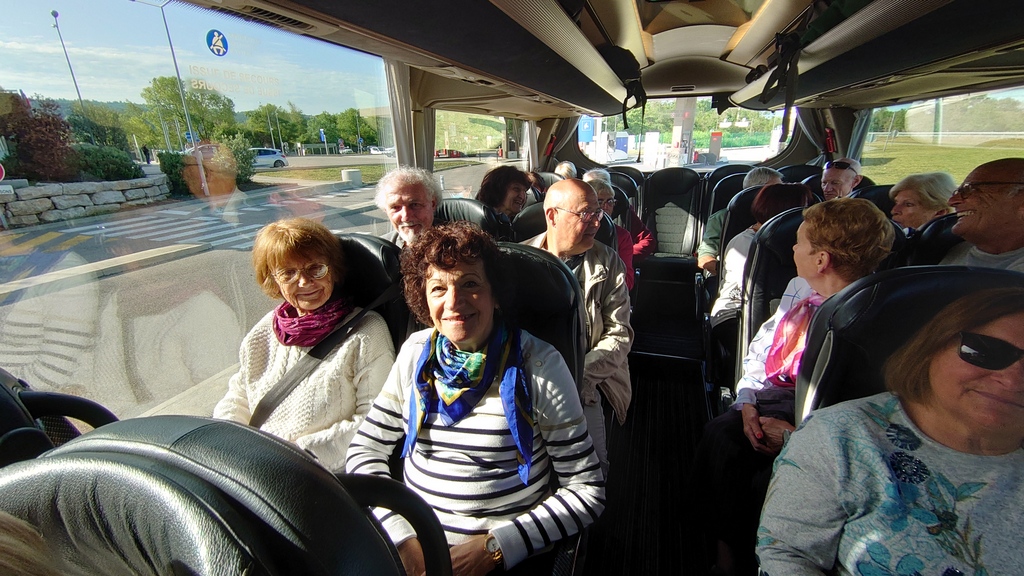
608, 201
585, 217
967, 188
291, 275
987, 352
841, 164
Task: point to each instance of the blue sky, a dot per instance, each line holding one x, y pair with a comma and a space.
117, 46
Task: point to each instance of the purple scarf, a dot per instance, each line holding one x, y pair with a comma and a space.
294, 330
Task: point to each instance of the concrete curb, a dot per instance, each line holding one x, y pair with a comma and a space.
77, 275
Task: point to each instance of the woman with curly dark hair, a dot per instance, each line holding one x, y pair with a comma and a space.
504, 189
490, 414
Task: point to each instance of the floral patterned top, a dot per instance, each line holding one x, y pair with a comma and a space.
860, 490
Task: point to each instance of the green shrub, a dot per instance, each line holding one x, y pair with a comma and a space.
106, 163
172, 164
244, 157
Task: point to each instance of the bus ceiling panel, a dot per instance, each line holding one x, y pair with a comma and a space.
692, 76
543, 52
620, 21
437, 88
939, 38
754, 40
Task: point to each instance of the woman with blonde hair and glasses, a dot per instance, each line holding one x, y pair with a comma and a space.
302, 262
927, 478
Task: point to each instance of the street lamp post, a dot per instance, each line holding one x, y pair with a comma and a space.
181, 90
56, 25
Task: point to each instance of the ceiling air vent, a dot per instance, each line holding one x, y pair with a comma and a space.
255, 14
684, 88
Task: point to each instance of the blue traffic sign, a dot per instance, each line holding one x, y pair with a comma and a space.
323, 137
217, 42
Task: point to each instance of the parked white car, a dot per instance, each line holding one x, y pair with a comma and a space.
268, 158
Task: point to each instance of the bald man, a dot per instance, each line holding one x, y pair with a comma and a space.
840, 177
573, 217
990, 217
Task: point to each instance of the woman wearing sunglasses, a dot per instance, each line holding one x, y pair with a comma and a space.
300, 261
925, 479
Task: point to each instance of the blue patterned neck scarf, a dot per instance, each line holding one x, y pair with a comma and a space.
452, 382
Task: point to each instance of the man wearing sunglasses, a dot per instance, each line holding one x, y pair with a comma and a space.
839, 178
573, 217
990, 217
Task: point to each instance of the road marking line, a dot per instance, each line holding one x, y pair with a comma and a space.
30, 245
69, 243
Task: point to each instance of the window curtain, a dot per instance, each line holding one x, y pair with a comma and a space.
861, 123
529, 145
425, 127
397, 75
563, 133
815, 131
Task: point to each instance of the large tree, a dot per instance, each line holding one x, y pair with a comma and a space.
211, 112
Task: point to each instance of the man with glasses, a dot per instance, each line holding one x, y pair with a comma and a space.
990, 217
839, 178
573, 217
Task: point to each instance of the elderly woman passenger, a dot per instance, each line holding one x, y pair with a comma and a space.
920, 198
300, 261
925, 479
504, 189
490, 415
624, 241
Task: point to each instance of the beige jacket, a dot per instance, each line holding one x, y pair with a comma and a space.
602, 276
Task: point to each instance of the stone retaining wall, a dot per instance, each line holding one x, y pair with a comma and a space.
53, 202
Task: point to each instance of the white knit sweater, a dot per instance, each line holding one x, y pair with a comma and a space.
324, 411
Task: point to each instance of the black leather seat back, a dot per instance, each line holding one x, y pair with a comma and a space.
711, 179
548, 302
769, 269
20, 436
814, 183
549, 178
475, 211
621, 212
671, 205
855, 331
877, 195
931, 243
738, 216
799, 172
727, 188
373, 265
531, 222
625, 183
187, 495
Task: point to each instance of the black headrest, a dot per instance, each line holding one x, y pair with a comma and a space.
715, 176
621, 204
529, 222
931, 243
725, 190
769, 269
625, 182
667, 184
814, 183
799, 172
548, 302
638, 176
738, 215
865, 182
20, 437
855, 331
606, 233
549, 178
877, 195
475, 211
373, 265
180, 494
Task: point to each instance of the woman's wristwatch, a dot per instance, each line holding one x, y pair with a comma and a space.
494, 549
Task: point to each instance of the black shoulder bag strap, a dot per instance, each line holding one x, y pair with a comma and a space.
312, 359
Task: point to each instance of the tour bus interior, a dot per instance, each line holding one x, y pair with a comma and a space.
547, 63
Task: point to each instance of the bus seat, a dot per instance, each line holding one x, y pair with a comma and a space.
671, 207
549, 178
877, 194
373, 265
475, 211
799, 172
634, 173
190, 495
855, 331
530, 222
549, 305
723, 193
621, 212
931, 243
814, 183
738, 215
625, 183
769, 269
711, 180
32, 422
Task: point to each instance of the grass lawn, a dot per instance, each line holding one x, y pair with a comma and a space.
902, 157
371, 172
